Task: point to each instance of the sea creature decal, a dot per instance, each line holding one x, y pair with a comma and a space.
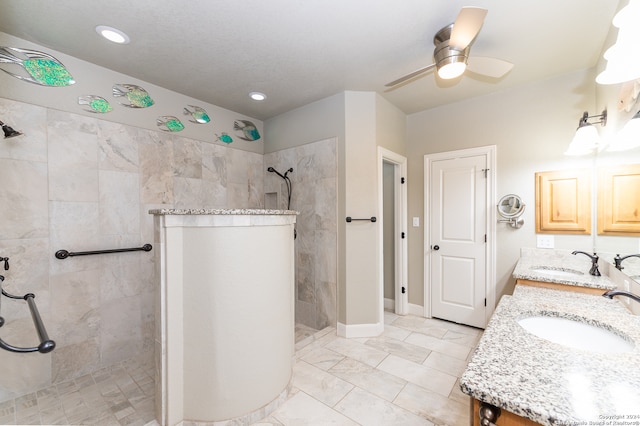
224, 138
169, 123
39, 68
95, 104
137, 97
246, 130
198, 114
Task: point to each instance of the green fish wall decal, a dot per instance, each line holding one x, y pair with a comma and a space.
95, 104
223, 137
40, 68
169, 123
198, 114
246, 130
137, 97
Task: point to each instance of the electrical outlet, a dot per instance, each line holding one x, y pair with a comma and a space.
544, 241
416, 222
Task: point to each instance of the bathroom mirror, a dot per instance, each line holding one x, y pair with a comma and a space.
511, 207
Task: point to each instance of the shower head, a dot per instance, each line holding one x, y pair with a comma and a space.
272, 170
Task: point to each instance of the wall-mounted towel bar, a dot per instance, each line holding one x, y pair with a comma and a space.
371, 219
46, 345
63, 254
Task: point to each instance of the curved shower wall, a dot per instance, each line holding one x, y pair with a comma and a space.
227, 314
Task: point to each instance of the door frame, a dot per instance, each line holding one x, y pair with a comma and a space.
490, 267
400, 225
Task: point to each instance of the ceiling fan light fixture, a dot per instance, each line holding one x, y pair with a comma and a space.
451, 70
450, 63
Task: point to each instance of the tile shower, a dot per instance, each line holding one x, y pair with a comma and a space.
79, 183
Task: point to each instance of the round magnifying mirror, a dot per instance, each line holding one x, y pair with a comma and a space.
510, 206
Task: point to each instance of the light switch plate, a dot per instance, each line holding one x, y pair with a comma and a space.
416, 222
544, 241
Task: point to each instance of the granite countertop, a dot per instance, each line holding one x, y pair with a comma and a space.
533, 262
167, 212
550, 383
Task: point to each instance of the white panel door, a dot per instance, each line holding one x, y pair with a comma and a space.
458, 202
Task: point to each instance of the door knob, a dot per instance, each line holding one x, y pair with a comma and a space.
436, 247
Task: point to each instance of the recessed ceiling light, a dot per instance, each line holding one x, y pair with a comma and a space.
257, 96
112, 34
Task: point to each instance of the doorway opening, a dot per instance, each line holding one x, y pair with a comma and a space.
392, 198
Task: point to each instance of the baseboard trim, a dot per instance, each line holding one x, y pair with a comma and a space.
389, 305
360, 330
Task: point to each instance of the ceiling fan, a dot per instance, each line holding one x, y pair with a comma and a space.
453, 44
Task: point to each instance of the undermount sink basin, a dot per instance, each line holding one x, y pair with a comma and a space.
575, 334
556, 272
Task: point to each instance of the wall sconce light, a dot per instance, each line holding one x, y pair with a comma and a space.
586, 138
8, 131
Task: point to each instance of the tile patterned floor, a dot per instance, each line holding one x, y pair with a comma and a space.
407, 376
119, 395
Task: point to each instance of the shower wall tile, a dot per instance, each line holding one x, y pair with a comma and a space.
121, 329
314, 195
326, 307
156, 179
238, 195
72, 157
187, 158
76, 298
214, 195
119, 203
121, 278
326, 259
74, 226
32, 145
75, 360
214, 163
24, 191
188, 193
237, 166
305, 277
326, 198
118, 146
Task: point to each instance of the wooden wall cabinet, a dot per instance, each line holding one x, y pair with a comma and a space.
563, 202
619, 200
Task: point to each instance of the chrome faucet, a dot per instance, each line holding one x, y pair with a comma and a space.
618, 260
609, 294
594, 262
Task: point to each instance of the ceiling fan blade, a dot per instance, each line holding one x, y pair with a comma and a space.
491, 67
466, 27
410, 75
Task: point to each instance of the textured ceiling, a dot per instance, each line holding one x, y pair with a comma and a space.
300, 51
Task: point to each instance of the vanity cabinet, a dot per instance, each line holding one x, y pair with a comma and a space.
564, 287
563, 202
619, 200
505, 418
